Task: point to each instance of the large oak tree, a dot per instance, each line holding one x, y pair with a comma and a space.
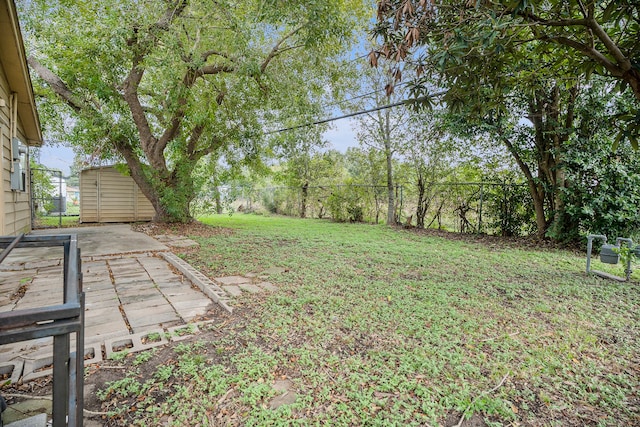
163, 84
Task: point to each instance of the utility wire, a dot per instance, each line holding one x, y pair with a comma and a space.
358, 113
361, 96
357, 58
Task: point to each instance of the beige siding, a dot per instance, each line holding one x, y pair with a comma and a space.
4, 138
4, 153
15, 211
89, 195
108, 196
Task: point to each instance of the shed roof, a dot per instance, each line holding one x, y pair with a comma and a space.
14, 63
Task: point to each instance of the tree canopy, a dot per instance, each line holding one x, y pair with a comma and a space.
518, 71
471, 46
163, 84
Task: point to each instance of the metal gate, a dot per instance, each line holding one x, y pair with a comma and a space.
46, 208
62, 322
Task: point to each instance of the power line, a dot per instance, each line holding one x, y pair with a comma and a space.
358, 113
361, 96
357, 58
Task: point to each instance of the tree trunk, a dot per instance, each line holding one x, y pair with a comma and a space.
177, 187
421, 209
218, 202
391, 207
303, 202
536, 195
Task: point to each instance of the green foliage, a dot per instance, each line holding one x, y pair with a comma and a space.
627, 254
508, 206
163, 373
471, 48
502, 61
603, 198
170, 86
54, 221
42, 188
127, 386
345, 203
381, 326
119, 356
143, 357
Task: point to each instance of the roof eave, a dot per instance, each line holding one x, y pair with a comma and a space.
14, 63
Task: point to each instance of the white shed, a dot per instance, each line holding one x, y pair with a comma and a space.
108, 196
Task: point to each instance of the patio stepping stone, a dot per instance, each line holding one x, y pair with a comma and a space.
286, 395
176, 241
274, 270
232, 280
252, 289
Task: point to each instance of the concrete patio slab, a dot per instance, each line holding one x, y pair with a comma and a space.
129, 289
93, 241
134, 287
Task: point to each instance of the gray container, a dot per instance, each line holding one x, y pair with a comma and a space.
607, 254
59, 204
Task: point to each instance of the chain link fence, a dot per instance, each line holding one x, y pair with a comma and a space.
465, 207
48, 201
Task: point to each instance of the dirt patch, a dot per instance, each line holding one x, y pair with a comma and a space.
500, 242
455, 420
193, 228
20, 292
98, 377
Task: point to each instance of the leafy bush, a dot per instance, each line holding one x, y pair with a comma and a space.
345, 204
601, 193
603, 196
509, 208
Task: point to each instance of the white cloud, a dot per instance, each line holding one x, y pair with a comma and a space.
341, 135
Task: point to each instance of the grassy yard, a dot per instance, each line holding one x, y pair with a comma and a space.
55, 221
381, 326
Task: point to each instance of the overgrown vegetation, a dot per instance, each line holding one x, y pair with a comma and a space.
382, 326
171, 87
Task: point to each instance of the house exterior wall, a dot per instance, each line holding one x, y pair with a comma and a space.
108, 196
15, 208
17, 100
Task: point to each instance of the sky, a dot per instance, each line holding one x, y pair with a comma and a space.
341, 137
56, 157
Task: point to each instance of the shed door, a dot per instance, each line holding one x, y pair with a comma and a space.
89, 180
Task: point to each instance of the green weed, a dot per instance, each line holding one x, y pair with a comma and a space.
119, 356
143, 357
383, 326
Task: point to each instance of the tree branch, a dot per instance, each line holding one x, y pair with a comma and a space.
277, 50
196, 133
555, 23
130, 86
213, 69
132, 82
592, 53
188, 81
57, 85
210, 148
611, 46
583, 9
206, 54
590, 23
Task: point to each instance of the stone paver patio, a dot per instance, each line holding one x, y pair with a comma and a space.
128, 295
135, 288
